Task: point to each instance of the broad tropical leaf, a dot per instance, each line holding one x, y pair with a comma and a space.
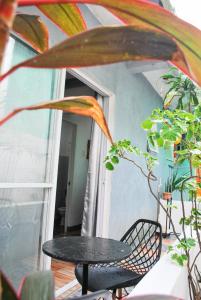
6, 289
39, 285
66, 16
80, 105
105, 45
7, 14
149, 15
33, 30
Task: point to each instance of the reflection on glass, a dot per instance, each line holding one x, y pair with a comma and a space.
21, 219
25, 149
25, 138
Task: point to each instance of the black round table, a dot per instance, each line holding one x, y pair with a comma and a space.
86, 250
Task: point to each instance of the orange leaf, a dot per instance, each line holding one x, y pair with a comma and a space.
66, 16
80, 105
153, 16
33, 30
105, 45
7, 14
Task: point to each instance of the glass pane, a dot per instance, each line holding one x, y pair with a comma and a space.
21, 219
25, 138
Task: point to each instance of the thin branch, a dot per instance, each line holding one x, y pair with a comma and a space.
196, 225
197, 255
190, 278
163, 207
153, 177
183, 207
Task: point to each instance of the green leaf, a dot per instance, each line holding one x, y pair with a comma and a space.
151, 140
191, 242
184, 257
66, 16
39, 285
147, 124
170, 135
33, 30
178, 258
170, 248
160, 142
115, 160
195, 100
167, 76
109, 166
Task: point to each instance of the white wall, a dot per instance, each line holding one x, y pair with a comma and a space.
176, 214
83, 130
134, 100
166, 278
83, 133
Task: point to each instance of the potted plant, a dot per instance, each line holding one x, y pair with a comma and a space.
167, 194
173, 184
175, 123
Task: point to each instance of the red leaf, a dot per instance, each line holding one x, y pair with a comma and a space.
80, 105
153, 16
105, 45
7, 14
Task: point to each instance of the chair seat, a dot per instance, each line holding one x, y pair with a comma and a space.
108, 278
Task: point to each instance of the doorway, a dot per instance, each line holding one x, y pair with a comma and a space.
73, 164
66, 159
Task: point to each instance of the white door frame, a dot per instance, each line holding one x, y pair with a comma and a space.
48, 227
102, 225
104, 176
70, 172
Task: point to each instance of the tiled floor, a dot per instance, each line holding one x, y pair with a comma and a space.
64, 273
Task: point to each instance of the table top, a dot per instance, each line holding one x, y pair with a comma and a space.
86, 250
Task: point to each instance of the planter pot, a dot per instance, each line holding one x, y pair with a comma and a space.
167, 196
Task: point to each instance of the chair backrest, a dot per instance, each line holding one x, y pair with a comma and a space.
145, 239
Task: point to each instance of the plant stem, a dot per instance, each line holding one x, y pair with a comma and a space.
153, 177
163, 207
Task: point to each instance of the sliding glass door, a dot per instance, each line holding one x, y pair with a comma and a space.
26, 153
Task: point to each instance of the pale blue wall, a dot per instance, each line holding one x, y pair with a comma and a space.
134, 100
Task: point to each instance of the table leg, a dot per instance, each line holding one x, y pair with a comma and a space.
85, 279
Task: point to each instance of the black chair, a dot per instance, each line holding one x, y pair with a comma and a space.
145, 239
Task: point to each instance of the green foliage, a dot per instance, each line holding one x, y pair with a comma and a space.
109, 166
194, 220
168, 185
181, 90
147, 124
173, 127
174, 183
165, 128
180, 259
179, 251
122, 148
